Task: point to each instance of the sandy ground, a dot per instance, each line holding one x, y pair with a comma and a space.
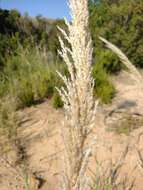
39, 135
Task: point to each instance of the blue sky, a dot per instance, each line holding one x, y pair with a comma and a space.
47, 8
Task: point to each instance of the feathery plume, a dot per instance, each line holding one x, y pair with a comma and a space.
79, 104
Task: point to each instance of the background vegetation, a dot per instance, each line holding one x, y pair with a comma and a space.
29, 58
121, 22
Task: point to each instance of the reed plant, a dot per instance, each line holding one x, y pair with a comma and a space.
77, 95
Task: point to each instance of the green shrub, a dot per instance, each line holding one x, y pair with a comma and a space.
103, 87
108, 60
57, 102
120, 22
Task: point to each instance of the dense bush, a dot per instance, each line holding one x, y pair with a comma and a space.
103, 87
120, 22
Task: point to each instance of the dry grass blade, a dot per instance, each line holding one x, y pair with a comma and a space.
119, 164
109, 175
132, 69
140, 161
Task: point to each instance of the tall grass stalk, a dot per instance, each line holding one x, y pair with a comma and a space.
77, 95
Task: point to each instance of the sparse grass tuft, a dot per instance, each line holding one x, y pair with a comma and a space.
128, 124
8, 117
